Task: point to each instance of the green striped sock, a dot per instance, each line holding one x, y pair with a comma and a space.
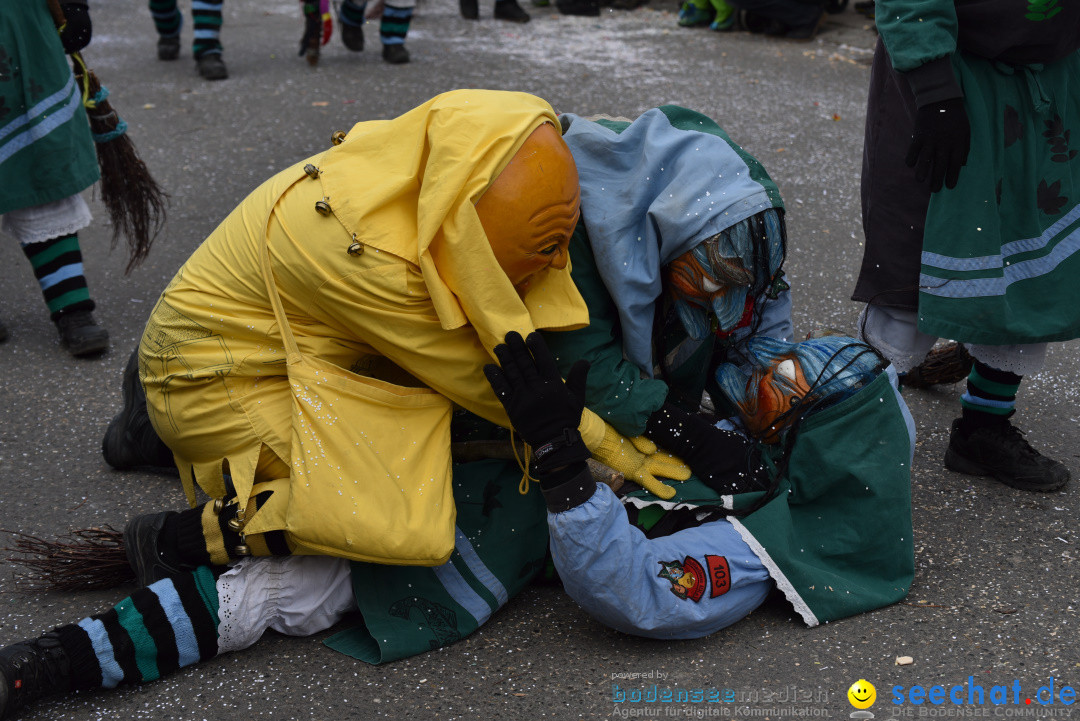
394, 25
168, 625
167, 18
206, 16
58, 268
990, 396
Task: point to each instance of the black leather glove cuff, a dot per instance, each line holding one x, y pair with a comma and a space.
567, 487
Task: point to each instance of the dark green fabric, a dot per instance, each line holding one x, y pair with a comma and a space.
635, 398
837, 535
1000, 252
838, 532
407, 610
46, 152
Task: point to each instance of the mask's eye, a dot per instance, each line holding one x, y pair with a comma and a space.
550, 250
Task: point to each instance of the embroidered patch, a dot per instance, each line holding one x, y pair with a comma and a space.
687, 578
719, 574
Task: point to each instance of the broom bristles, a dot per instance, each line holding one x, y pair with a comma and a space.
135, 202
84, 560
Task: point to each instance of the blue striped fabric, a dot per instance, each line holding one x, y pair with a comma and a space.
40, 120
111, 673
1056, 244
186, 643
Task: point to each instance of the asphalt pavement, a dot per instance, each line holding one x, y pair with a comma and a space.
995, 593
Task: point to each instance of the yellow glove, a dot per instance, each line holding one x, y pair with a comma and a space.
639, 461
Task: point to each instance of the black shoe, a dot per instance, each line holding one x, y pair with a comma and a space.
761, 25
212, 67
510, 10
31, 670
470, 9
141, 547
130, 441
1002, 451
168, 48
80, 334
804, 33
588, 8
352, 36
395, 54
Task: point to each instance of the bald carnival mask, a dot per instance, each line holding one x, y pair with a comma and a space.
529, 212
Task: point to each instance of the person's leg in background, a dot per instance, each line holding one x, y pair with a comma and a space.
49, 238
393, 27
167, 22
351, 19
206, 46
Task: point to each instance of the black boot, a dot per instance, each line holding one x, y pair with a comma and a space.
352, 36
143, 549
470, 9
31, 670
130, 441
395, 54
80, 334
510, 10
1001, 451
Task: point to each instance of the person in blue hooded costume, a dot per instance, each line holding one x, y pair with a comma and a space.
678, 256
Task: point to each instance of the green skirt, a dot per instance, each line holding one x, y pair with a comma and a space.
1000, 256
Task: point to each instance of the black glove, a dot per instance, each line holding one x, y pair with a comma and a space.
940, 143
717, 457
77, 28
543, 410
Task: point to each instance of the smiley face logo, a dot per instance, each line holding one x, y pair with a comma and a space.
862, 694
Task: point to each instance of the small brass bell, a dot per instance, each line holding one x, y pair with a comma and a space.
236, 524
242, 550
356, 247
323, 207
312, 171
338, 137
219, 505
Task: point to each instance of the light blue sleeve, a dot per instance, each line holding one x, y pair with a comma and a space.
631, 583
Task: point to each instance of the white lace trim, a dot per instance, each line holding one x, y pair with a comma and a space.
44, 222
1023, 360
293, 595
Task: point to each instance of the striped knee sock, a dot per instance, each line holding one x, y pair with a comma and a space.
990, 396
352, 12
158, 629
395, 25
59, 271
206, 16
167, 18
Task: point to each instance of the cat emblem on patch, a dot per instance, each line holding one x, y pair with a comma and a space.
687, 579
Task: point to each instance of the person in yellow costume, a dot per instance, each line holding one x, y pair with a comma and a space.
379, 274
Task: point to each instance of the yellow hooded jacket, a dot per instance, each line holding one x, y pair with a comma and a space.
423, 304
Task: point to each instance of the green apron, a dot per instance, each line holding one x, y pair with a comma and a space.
1000, 261
836, 536
46, 152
